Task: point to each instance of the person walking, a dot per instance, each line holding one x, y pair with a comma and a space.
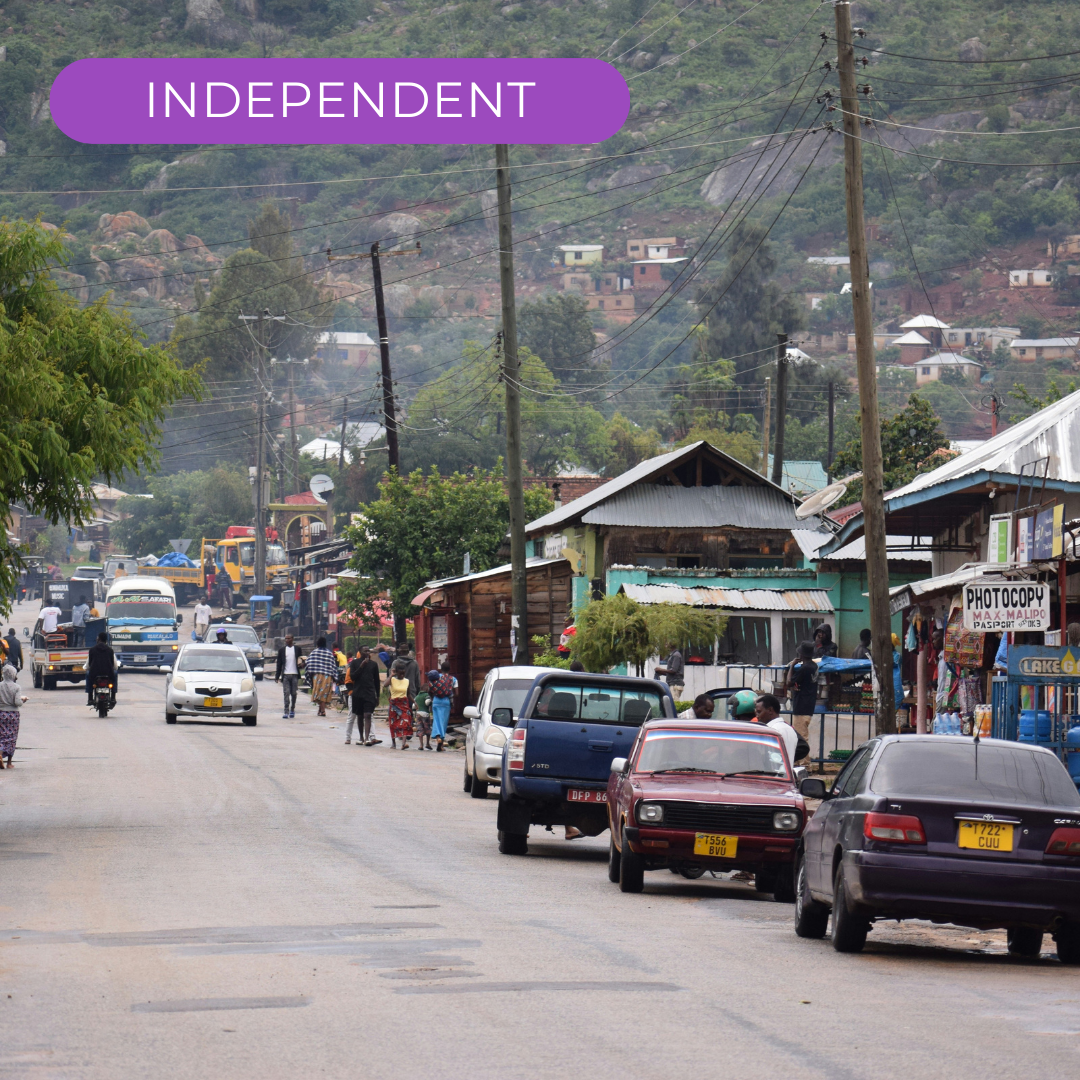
290, 657
802, 687
14, 649
366, 682
422, 713
823, 641
412, 668
322, 667
11, 701
401, 699
672, 671
203, 615
442, 697
78, 621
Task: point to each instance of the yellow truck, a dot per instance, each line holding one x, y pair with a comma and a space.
236, 553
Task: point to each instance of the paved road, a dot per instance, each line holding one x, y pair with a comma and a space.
214, 901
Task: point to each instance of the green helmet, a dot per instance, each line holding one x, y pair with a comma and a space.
742, 703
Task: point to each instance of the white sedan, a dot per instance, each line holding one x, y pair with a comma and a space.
211, 680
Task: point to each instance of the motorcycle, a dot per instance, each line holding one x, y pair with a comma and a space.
103, 695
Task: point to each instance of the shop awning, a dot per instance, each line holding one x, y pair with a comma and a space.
420, 597
792, 600
905, 596
326, 583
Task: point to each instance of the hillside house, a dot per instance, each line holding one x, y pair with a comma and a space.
1030, 279
988, 337
619, 307
1032, 349
929, 326
836, 264
577, 255
656, 247
913, 347
650, 271
346, 347
930, 368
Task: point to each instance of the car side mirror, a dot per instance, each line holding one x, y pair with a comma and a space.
179, 618
26, 631
470, 712
503, 717
813, 787
618, 765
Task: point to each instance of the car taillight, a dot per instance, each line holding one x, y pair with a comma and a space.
515, 755
894, 828
1064, 842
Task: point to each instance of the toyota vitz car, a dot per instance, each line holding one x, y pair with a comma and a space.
980, 833
697, 795
211, 681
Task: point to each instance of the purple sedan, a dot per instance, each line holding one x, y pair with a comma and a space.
977, 833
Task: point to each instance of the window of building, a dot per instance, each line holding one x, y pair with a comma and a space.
578, 254
746, 641
1038, 352
635, 247
601, 302
641, 269
1022, 352
926, 371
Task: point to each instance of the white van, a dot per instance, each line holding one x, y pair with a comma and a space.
142, 622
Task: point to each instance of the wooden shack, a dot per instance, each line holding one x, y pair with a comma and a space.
466, 620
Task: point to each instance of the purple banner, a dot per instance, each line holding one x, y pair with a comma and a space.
294, 101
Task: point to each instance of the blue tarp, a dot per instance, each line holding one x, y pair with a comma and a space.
175, 558
835, 664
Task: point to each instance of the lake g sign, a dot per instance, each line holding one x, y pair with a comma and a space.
1007, 605
328, 101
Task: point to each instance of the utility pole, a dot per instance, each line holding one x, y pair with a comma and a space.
832, 427
519, 620
765, 421
873, 501
993, 414
341, 446
294, 455
781, 408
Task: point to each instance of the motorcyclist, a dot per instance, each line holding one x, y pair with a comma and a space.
222, 636
101, 660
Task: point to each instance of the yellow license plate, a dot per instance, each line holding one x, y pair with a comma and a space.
211, 702
985, 836
721, 847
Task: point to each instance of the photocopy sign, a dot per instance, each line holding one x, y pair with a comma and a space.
339, 100
1007, 605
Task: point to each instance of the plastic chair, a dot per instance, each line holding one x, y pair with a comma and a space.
267, 600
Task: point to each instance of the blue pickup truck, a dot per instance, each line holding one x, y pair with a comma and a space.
556, 764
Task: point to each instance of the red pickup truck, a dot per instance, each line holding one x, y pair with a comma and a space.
697, 795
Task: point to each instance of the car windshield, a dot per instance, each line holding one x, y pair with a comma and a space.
224, 660
247, 553
509, 694
239, 635
275, 555
134, 606
960, 771
598, 704
726, 752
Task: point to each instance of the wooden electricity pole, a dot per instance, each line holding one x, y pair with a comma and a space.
511, 371
832, 429
765, 421
781, 408
873, 502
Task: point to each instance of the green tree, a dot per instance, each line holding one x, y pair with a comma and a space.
1029, 403
559, 331
909, 441
195, 505
743, 445
83, 396
420, 528
627, 445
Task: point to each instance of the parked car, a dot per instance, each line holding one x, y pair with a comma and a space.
246, 638
979, 833
211, 681
721, 697
556, 765
697, 795
491, 720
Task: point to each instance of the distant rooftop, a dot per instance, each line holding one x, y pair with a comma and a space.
344, 337
921, 322
830, 260
912, 337
1046, 343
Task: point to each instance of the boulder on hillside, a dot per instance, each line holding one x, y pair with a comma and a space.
160, 241
972, 51
127, 221
397, 230
397, 298
640, 177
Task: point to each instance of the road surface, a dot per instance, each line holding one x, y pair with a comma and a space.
215, 901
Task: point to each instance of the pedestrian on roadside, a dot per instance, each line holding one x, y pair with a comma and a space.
442, 697
78, 621
672, 671
322, 666
365, 682
412, 668
422, 712
290, 658
702, 709
11, 701
802, 688
862, 650
823, 641
576, 665
14, 649
401, 699
386, 656
203, 615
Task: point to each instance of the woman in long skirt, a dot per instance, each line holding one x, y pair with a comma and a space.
11, 700
443, 685
400, 715
322, 665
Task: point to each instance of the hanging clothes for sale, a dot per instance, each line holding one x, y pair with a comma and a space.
964, 648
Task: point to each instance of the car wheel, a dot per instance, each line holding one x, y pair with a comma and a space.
613, 860
631, 869
170, 718
765, 879
784, 887
466, 783
811, 917
513, 843
479, 788
37, 678
48, 682
250, 721
692, 873
1068, 943
1024, 941
848, 930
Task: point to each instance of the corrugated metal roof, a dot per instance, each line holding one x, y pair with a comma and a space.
530, 563
898, 547
814, 600
642, 471
1053, 432
653, 505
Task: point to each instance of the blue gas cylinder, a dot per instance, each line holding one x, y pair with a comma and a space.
1028, 724
1043, 722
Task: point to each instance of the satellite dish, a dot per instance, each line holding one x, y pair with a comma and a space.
821, 500
320, 482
